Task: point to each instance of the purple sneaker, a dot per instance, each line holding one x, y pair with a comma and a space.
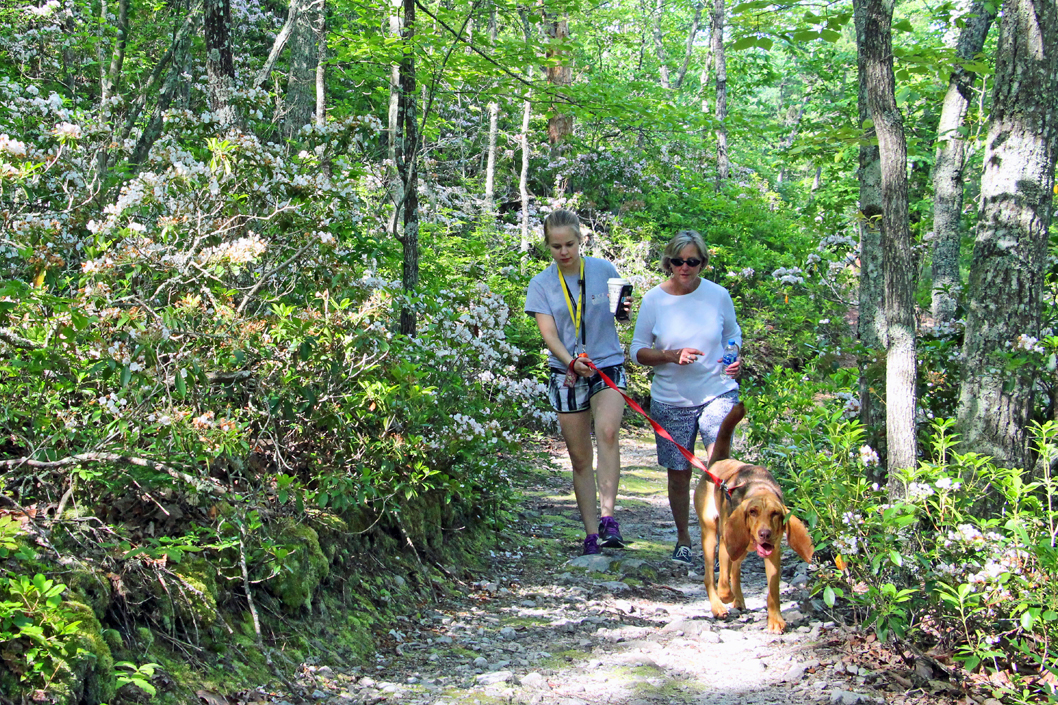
591, 545
610, 533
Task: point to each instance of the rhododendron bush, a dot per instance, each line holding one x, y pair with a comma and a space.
226, 304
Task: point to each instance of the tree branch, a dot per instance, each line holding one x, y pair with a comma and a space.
207, 485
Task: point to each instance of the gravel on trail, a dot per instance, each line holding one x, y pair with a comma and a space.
629, 626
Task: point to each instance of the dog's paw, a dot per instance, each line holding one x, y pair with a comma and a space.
719, 611
776, 624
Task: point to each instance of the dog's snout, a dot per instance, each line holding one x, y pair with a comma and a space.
764, 533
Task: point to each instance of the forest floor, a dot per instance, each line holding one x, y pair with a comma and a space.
544, 625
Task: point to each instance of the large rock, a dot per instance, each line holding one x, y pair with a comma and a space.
597, 562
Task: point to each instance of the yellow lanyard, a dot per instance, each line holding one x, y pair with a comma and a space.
569, 303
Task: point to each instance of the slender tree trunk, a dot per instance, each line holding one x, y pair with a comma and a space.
659, 45
1007, 269
117, 57
321, 66
871, 327
407, 150
494, 127
173, 86
898, 263
300, 99
560, 125
527, 108
690, 43
112, 76
220, 67
101, 51
523, 180
723, 166
950, 160
396, 188
293, 10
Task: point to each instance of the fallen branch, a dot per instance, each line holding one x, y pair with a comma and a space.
17, 341
207, 485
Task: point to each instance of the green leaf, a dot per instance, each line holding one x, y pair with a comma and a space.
896, 558
829, 35
181, 385
829, 597
903, 26
744, 43
1026, 621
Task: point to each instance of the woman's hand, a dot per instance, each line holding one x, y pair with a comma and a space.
580, 366
733, 369
685, 356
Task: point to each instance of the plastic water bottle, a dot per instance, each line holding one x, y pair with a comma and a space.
730, 353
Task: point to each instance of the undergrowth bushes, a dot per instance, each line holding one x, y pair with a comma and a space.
966, 562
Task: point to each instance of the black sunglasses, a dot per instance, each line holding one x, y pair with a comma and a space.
679, 261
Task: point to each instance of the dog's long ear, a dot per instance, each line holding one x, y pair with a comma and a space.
798, 538
735, 534
722, 446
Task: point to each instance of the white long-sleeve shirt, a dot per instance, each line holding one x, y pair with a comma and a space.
703, 319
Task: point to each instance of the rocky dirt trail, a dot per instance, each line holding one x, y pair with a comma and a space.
545, 625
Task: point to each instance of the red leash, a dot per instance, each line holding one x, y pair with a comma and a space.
658, 428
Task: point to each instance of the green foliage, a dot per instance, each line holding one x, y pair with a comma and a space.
37, 631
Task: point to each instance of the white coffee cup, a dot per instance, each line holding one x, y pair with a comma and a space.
615, 286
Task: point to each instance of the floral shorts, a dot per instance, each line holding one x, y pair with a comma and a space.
685, 423
570, 400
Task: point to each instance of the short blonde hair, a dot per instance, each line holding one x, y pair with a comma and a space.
682, 239
562, 218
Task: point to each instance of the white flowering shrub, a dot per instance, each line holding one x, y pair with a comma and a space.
936, 556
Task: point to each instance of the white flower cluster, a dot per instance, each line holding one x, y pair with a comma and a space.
869, 456
242, 251
44, 10
160, 419
946, 483
852, 405
1028, 343
68, 131
847, 544
467, 426
919, 490
112, 403
791, 275
15, 148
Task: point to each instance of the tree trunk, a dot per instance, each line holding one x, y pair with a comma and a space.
559, 125
179, 55
949, 163
494, 127
871, 321
1007, 269
396, 188
527, 108
407, 150
293, 10
523, 180
300, 100
117, 57
690, 43
321, 66
722, 165
220, 68
897, 259
659, 45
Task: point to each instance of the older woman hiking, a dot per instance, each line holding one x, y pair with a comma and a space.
570, 302
680, 331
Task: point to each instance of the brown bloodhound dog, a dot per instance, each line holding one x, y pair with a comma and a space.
754, 517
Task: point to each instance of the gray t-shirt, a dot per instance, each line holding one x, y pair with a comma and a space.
546, 296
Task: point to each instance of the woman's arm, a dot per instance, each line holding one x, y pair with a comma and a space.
549, 332
642, 349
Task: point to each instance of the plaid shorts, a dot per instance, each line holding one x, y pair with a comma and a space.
570, 400
685, 423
